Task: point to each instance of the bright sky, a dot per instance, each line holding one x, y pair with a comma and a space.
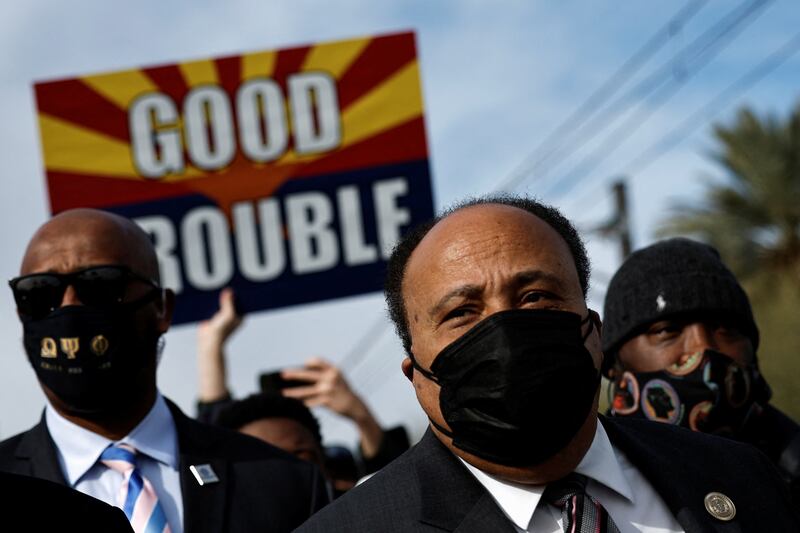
498, 77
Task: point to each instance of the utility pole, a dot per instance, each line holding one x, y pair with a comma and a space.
623, 229
618, 226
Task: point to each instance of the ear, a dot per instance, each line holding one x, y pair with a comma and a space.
166, 308
598, 323
408, 369
594, 341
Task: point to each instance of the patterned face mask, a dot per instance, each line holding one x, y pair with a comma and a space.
709, 392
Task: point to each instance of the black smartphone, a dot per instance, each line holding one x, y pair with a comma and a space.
274, 382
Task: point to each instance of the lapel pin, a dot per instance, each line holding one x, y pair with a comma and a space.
204, 474
720, 506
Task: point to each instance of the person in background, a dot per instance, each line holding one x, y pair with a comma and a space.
288, 424
504, 355
281, 421
323, 385
93, 313
680, 345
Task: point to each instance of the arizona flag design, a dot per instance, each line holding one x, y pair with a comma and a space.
288, 175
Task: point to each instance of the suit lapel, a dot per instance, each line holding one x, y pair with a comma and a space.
204, 506
39, 450
451, 498
662, 463
200, 500
485, 515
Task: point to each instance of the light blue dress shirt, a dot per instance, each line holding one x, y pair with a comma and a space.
156, 441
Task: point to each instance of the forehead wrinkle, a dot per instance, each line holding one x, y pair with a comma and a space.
72, 253
477, 255
469, 247
453, 255
83, 237
531, 276
517, 280
469, 241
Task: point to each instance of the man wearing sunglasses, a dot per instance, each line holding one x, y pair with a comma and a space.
93, 313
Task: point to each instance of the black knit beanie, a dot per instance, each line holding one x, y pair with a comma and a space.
674, 276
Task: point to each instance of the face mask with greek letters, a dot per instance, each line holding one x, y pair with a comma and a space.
91, 359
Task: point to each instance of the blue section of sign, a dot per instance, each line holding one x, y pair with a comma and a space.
289, 288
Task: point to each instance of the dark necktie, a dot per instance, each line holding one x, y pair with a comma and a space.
580, 513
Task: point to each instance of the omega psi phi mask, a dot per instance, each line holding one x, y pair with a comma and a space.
90, 358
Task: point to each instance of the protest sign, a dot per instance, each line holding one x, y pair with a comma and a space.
288, 174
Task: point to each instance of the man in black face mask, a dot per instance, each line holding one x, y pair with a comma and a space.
678, 324
504, 357
93, 312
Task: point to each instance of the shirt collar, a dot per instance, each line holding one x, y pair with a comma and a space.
79, 449
518, 501
602, 465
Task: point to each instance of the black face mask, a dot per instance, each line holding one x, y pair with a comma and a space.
92, 360
517, 387
709, 392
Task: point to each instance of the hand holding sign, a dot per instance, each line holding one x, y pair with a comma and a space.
223, 323
212, 334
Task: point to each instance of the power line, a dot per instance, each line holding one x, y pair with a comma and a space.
581, 114
379, 375
696, 50
712, 108
662, 95
705, 113
364, 344
362, 348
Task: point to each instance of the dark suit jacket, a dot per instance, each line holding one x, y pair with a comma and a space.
428, 489
35, 505
260, 488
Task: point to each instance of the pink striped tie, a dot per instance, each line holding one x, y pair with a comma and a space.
136, 496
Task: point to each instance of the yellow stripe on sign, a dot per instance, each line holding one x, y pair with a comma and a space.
71, 148
396, 100
335, 58
199, 72
121, 87
259, 64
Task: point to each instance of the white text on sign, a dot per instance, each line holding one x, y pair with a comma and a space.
208, 127
311, 244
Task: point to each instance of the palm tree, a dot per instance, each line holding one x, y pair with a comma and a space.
753, 218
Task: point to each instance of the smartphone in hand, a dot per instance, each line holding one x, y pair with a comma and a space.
274, 382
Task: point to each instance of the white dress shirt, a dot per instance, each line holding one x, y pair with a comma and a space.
614, 481
156, 441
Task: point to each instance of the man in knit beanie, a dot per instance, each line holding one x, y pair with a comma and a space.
680, 345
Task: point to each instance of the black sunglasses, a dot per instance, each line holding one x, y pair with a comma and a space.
102, 287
